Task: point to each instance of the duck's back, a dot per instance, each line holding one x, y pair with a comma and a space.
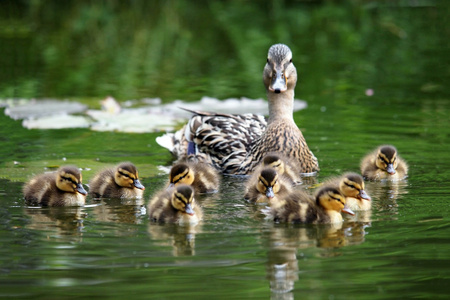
283, 137
206, 178
104, 185
161, 210
300, 208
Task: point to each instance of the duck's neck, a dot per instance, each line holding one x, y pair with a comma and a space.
281, 106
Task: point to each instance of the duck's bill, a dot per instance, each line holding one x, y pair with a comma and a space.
278, 84
348, 211
137, 184
269, 193
189, 210
363, 195
80, 189
390, 169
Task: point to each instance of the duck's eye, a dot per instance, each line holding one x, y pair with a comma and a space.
267, 60
68, 179
290, 60
124, 175
383, 160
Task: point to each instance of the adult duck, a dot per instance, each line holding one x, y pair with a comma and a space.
236, 144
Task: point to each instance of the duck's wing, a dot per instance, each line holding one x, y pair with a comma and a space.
222, 140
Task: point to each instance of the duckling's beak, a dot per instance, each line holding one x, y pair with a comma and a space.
390, 169
278, 83
137, 184
80, 189
171, 185
348, 211
363, 195
269, 193
189, 210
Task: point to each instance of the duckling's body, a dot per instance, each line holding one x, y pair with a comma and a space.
299, 207
284, 166
384, 164
266, 186
60, 188
352, 187
236, 144
201, 176
119, 182
175, 205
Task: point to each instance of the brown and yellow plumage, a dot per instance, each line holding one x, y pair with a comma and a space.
287, 167
121, 181
60, 188
384, 163
352, 187
201, 176
266, 186
299, 207
175, 205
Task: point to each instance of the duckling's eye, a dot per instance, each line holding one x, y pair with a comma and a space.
267, 60
290, 60
383, 160
69, 179
179, 179
337, 199
124, 175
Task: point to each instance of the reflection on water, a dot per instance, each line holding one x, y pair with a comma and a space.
385, 195
128, 211
180, 238
284, 241
57, 221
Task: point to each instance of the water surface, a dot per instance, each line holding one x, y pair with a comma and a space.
109, 249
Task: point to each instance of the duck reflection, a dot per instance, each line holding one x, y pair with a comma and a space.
284, 241
180, 238
386, 194
128, 211
57, 221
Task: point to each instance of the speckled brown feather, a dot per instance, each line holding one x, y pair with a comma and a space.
235, 144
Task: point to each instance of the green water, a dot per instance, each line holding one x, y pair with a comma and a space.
109, 249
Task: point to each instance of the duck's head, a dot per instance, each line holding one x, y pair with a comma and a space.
126, 175
279, 72
68, 179
330, 198
387, 159
352, 185
181, 174
274, 161
183, 199
268, 183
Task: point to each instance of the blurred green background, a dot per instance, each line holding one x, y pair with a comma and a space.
187, 49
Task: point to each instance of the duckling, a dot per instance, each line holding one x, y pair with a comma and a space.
284, 166
119, 182
60, 188
201, 176
175, 205
235, 144
384, 163
351, 186
265, 186
298, 207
